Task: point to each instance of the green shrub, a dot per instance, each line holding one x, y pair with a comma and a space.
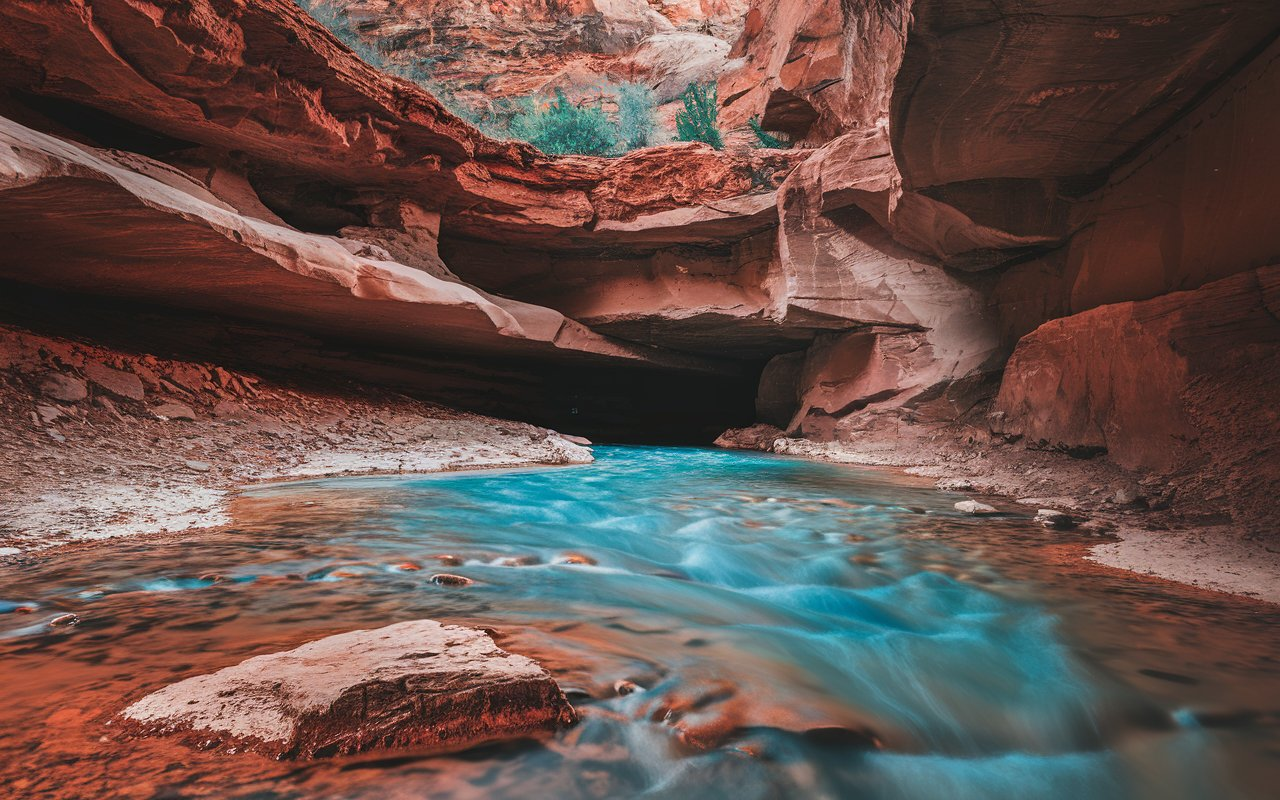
636, 109
765, 138
561, 127
697, 123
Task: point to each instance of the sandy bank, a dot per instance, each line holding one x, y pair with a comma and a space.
96, 444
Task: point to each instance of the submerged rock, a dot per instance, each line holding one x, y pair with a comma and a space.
577, 558
415, 684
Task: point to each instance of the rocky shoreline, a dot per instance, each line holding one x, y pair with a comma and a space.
1141, 530
100, 443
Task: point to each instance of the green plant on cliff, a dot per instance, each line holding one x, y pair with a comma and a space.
698, 121
636, 111
765, 138
560, 127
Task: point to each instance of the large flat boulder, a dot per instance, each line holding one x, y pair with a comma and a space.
416, 684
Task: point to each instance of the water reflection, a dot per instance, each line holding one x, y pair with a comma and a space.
730, 625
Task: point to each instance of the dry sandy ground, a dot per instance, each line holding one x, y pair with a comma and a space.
124, 458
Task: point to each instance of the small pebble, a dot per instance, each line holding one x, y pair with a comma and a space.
624, 688
518, 561
63, 621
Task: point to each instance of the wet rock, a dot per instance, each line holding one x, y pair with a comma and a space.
580, 440
448, 560
66, 388
121, 384
448, 579
1058, 520
519, 561
415, 684
756, 437
174, 411
975, 508
576, 558
407, 566
624, 687
64, 621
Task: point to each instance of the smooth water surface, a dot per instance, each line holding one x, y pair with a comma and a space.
789, 628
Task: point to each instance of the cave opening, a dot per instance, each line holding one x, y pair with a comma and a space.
616, 403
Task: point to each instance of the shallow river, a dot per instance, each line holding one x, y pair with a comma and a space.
790, 628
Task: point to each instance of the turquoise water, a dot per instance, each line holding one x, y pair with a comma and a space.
729, 625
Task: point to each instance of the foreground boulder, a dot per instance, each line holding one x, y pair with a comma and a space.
415, 684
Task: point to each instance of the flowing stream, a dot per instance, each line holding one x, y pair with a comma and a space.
730, 625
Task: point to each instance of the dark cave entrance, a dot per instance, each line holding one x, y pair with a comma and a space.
607, 403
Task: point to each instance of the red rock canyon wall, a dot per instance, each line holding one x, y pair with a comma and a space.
975, 184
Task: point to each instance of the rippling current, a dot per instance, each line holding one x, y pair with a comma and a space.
789, 629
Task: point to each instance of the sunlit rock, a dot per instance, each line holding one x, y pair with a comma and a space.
417, 684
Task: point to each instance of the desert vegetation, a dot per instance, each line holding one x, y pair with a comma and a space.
699, 121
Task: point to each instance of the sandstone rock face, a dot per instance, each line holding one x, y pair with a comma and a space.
414, 684
1194, 207
162, 78
1187, 383
484, 51
814, 70
51, 186
1000, 89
